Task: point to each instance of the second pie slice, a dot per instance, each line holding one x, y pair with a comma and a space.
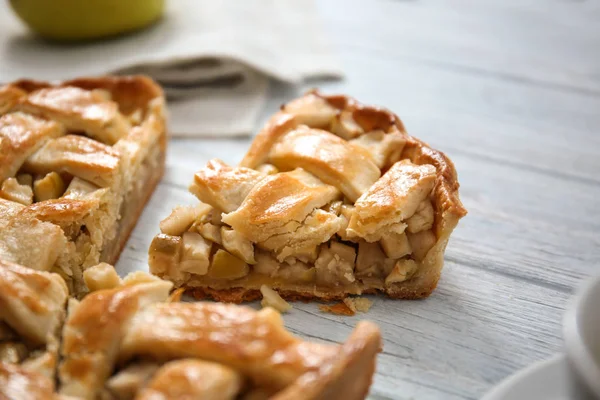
332, 199
78, 161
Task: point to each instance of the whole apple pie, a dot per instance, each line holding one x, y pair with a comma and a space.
332, 199
131, 339
78, 161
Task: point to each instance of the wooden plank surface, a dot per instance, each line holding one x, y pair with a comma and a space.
510, 90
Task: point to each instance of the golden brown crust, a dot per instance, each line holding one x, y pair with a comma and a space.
130, 92
112, 329
32, 301
93, 332
195, 379
275, 201
79, 110
79, 156
59, 210
9, 96
276, 127
22, 135
205, 348
222, 186
391, 200
349, 376
332, 159
370, 118
32, 311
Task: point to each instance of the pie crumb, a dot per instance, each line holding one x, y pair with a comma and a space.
272, 299
349, 302
337, 309
349, 306
362, 304
101, 276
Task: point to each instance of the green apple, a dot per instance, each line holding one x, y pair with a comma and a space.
87, 19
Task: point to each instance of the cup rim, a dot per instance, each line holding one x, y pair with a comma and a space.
578, 354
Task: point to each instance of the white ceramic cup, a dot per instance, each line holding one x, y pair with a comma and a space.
581, 331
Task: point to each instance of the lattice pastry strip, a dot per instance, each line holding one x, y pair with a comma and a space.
89, 111
333, 198
22, 135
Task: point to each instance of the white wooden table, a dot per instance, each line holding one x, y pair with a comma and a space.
510, 90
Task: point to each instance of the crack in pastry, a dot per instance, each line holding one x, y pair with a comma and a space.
131, 339
333, 198
78, 160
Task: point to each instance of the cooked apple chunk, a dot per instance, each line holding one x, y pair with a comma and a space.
14, 191
403, 270
335, 264
298, 272
101, 276
395, 245
210, 232
227, 266
385, 148
50, 186
182, 218
195, 257
272, 299
422, 219
370, 259
345, 126
237, 245
165, 251
421, 243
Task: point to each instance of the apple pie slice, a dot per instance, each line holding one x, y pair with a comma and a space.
332, 199
78, 161
129, 339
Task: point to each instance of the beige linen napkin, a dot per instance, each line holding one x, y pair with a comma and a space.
214, 58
